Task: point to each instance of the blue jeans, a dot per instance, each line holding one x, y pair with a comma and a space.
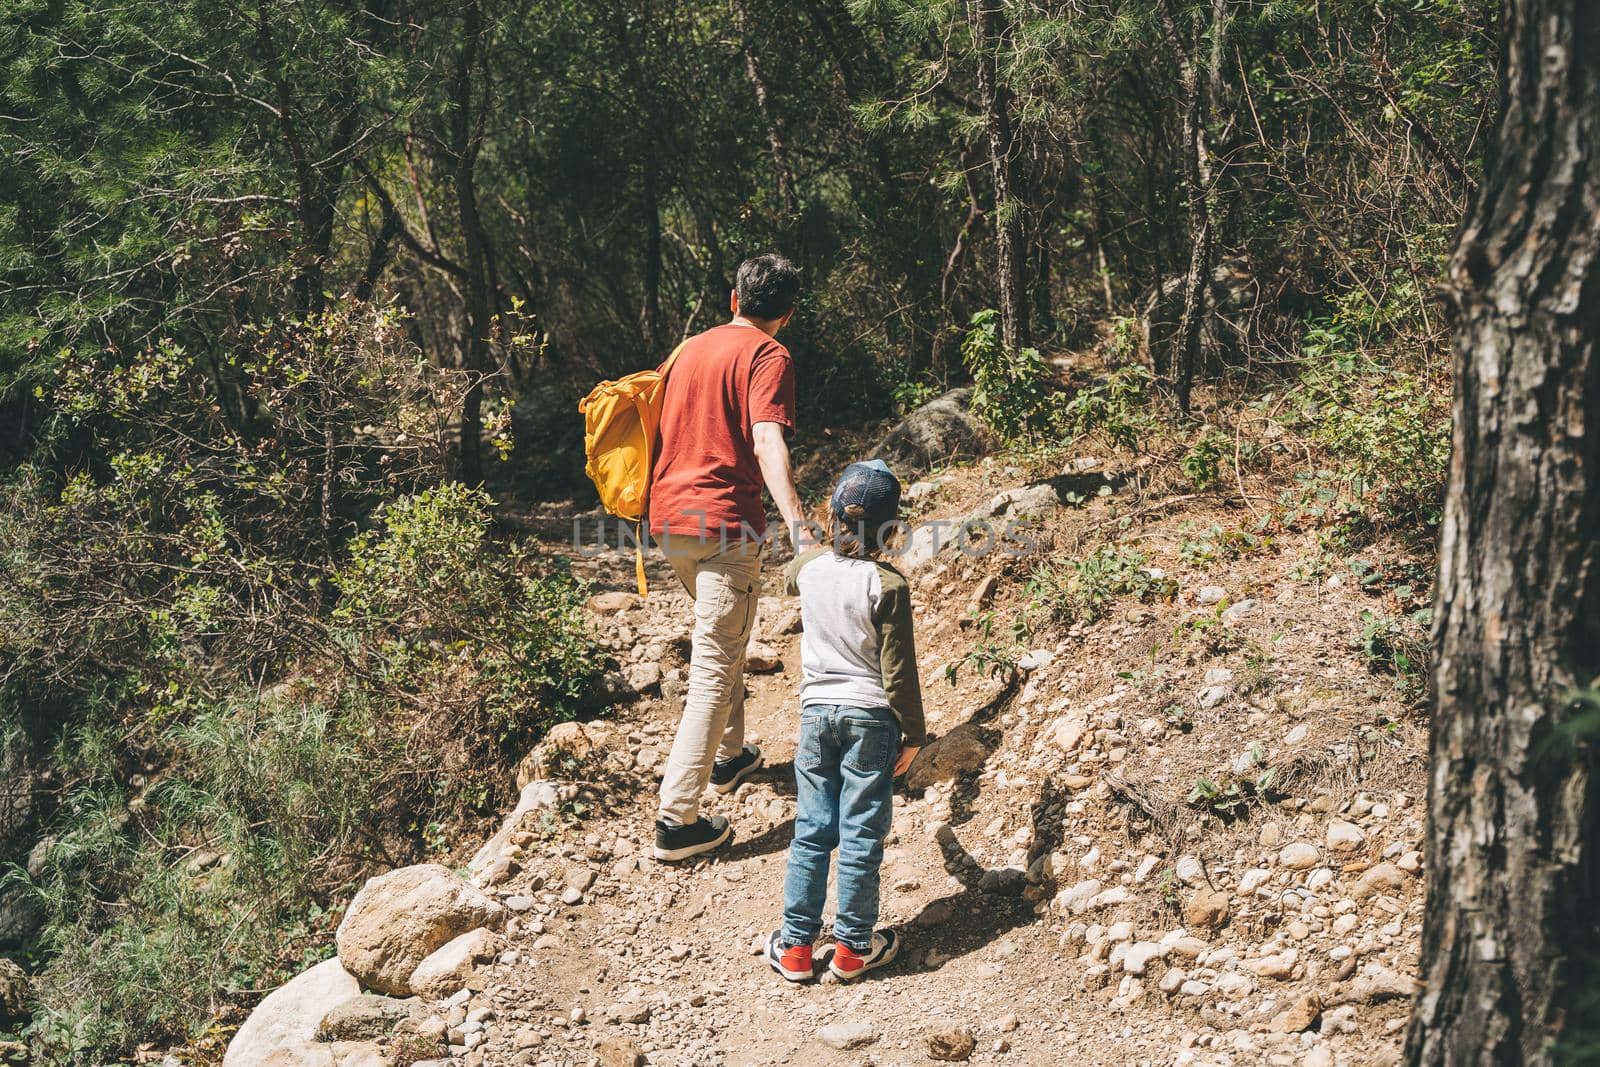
844, 786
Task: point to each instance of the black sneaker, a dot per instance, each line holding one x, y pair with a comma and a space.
727, 774
681, 842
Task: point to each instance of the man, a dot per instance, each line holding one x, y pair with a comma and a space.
729, 401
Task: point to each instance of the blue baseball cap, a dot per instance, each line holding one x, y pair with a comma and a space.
867, 493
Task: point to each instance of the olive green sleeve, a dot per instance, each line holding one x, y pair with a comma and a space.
897, 655
791, 573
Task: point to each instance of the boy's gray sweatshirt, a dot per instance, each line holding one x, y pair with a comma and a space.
858, 647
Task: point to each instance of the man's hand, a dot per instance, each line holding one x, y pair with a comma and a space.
907, 754
772, 454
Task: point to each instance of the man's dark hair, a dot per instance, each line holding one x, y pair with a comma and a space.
767, 285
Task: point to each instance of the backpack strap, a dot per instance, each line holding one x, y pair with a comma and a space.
649, 467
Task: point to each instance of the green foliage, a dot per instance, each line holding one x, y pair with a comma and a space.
913, 393
425, 600
1230, 795
1399, 648
445, 659
1081, 591
164, 905
1202, 463
1386, 429
1010, 390
989, 655
1116, 406
1200, 547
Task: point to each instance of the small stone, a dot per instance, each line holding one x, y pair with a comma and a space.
850, 1034
1238, 610
497, 872
1279, 966
1344, 836
1207, 909
1140, 954
643, 677
1299, 856
1212, 695
1211, 594
612, 603
1007, 1023
620, 1052
1032, 661
1299, 1016
952, 1045
762, 658
1379, 878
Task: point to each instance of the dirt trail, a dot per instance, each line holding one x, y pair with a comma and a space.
1062, 902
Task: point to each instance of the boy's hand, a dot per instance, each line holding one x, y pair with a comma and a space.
907, 754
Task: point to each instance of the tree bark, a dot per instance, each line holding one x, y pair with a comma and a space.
1198, 181
1512, 927
775, 145
478, 300
650, 314
988, 33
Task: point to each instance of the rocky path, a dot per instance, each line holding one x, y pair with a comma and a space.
1061, 901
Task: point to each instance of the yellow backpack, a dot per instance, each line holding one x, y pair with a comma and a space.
620, 422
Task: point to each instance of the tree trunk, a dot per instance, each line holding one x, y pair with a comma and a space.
775, 145
1511, 934
650, 314
478, 303
988, 32
1198, 182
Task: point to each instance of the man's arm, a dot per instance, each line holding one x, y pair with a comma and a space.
772, 454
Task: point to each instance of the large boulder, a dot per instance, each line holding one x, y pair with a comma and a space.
282, 1030
939, 431
399, 919
961, 751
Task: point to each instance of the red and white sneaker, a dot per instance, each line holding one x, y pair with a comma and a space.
794, 962
848, 964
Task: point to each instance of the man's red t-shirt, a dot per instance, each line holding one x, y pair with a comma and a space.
706, 478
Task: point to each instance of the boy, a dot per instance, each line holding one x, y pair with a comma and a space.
861, 725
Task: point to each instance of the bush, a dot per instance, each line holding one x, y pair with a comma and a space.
1202, 463
1116, 406
1387, 430
191, 530
1011, 390
423, 601
1081, 591
444, 658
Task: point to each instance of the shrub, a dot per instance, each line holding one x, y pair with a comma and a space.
1011, 390
1386, 430
1081, 591
1202, 463
211, 527
1116, 407
424, 601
